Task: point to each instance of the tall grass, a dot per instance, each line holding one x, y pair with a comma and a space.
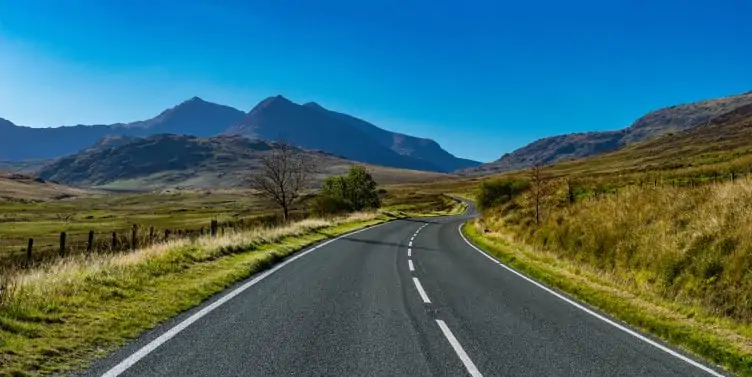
690, 245
54, 317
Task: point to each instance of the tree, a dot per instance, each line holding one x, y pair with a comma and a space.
284, 173
355, 191
538, 188
361, 189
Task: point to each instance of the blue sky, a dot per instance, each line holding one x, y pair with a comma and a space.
480, 77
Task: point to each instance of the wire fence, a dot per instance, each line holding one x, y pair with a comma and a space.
22, 252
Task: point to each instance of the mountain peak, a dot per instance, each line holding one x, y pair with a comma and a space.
314, 105
277, 100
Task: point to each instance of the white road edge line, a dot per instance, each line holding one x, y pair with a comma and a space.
410, 263
594, 314
421, 291
154, 344
471, 368
409, 252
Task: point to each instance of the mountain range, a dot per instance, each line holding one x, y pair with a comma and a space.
170, 160
573, 146
308, 126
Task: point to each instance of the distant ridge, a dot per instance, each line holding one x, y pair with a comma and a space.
309, 126
578, 145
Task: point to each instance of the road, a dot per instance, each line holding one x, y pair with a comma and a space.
406, 298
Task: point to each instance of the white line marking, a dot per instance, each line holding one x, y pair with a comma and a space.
410, 263
145, 350
423, 294
594, 314
410, 244
471, 368
409, 252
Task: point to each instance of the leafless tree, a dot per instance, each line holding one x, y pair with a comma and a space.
539, 189
284, 173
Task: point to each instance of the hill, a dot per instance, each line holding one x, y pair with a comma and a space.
276, 118
573, 146
166, 160
718, 146
15, 187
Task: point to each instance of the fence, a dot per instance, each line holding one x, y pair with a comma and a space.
24, 253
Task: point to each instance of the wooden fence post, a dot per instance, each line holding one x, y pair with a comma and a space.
134, 240
90, 243
167, 233
62, 244
214, 228
151, 235
28, 252
113, 245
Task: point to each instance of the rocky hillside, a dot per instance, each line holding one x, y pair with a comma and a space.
168, 160
573, 146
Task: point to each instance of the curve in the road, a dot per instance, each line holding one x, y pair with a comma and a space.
410, 297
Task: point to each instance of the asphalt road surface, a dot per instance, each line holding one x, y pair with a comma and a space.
406, 298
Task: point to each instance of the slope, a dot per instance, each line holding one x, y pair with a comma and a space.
167, 160
406, 145
277, 118
572, 146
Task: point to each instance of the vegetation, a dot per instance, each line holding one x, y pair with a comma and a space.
355, 191
657, 234
718, 339
59, 316
284, 173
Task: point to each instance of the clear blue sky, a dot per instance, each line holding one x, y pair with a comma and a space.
480, 77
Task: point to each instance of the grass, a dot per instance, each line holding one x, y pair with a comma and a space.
420, 204
720, 340
174, 210
59, 317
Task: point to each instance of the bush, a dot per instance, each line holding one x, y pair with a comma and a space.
355, 191
499, 192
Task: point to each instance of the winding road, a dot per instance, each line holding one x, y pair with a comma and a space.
405, 298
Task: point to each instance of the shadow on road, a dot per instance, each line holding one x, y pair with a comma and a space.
371, 242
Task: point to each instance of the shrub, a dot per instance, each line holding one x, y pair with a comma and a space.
499, 192
355, 191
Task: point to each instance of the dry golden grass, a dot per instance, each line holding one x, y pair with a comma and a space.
692, 245
57, 317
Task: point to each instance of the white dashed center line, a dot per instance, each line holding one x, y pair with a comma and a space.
421, 291
471, 368
409, 252
410, 263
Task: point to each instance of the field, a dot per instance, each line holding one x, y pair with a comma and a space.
33, 210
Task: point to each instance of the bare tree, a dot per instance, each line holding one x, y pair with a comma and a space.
539, 189
284, 173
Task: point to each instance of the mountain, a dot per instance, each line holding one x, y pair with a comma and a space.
168, 160
26, 143
193, 117
721, 143
309, 126
277, 118
573, 146
406, 145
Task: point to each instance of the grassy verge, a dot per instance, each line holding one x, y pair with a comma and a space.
424, 205
719, 340
62, 316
